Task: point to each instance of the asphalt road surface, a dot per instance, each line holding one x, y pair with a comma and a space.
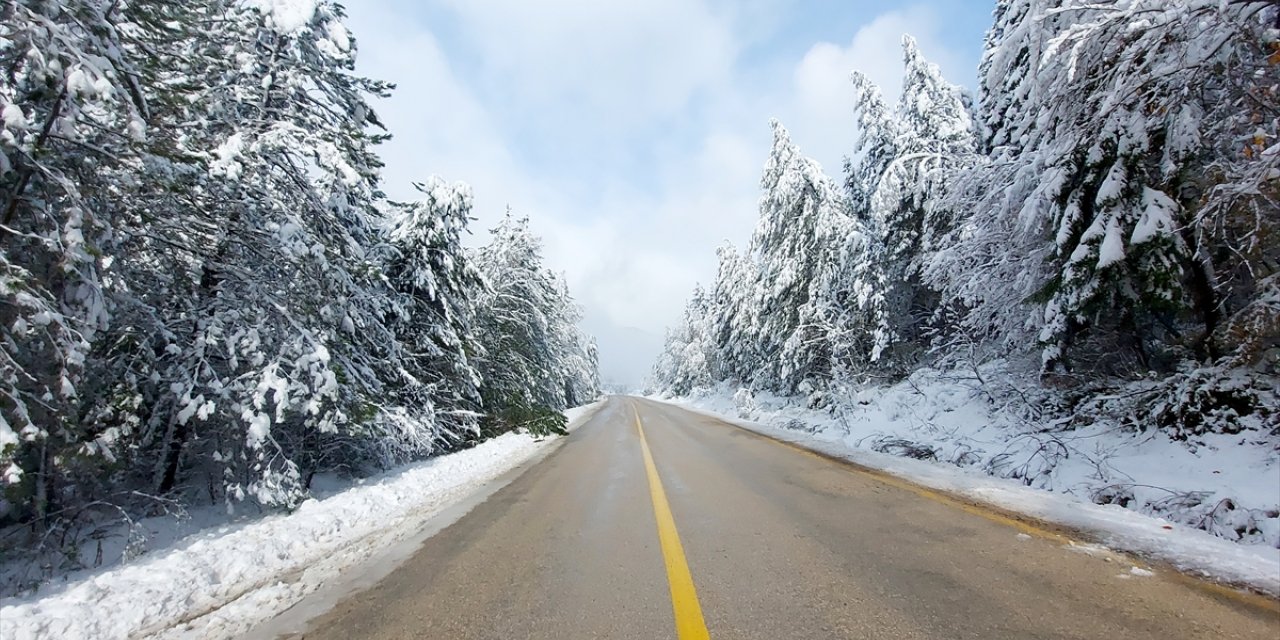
653, 522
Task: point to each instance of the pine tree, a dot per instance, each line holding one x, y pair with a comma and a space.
1111, 206
204, 298
429, 267
801, 215
532, 359
933, 137
1007, 73
1114, 182
71, 116
688, 357
731, 322
267, 312
876, 147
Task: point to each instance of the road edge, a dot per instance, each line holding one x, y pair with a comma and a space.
1235, 592
355, 578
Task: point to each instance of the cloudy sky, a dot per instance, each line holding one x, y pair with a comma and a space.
633, 132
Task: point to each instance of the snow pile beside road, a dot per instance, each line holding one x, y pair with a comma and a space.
267, 565
1210, 507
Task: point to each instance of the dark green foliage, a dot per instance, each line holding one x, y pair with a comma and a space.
538, 420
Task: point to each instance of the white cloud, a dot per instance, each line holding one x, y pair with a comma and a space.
626, 61
438, 125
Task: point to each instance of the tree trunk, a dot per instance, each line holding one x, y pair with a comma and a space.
175, 440
44, 487
171, 457
1205, 300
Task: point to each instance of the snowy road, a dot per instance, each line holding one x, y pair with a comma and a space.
779, 543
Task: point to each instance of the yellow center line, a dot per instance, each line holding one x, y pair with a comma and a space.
684, 599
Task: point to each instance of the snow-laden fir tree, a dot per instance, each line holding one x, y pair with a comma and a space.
533, 361
266, 305
688, 360
1130, 199
1110, 210
1136, 194
428, 266
576, 352
876, 145
730, 317
802, 215
71, 115
933, 135
1006, 73
851, 309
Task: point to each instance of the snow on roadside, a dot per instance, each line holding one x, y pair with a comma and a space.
1188, 549
267, 565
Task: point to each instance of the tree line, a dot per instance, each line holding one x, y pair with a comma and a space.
1103, 209
205, 296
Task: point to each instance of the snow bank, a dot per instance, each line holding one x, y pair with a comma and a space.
962, 438
267, 565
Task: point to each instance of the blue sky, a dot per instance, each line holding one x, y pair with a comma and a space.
633, 132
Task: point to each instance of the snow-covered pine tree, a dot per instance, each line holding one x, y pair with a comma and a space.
851, 309
247, 218
704, 366
570, 348
731, 319
429, 267
71, 115
1126, 167
934, 135
584, 376
1007, 72
801, 215
1114, 209
201, 298
275, 337
857, 277
1001, 238
1127, 198
688, 356
532, 359
664, 377
876, 146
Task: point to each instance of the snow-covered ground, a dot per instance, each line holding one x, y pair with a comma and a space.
220, 582
1211, 507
